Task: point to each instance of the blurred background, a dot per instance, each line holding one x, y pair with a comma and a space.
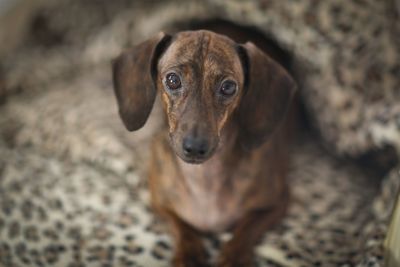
72, 179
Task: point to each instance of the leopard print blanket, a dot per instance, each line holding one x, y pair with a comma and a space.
72, 191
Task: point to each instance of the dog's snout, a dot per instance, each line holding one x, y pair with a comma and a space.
195, 146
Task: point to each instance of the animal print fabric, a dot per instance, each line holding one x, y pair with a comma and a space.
72, 179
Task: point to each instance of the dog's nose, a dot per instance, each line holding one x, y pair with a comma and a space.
194, 146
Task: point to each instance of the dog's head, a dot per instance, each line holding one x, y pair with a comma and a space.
205, 79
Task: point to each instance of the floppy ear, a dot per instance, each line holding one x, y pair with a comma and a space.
269, 90
134, 78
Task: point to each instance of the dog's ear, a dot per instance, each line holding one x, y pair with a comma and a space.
134, 78
268, 93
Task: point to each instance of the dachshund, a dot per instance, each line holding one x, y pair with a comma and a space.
221, 160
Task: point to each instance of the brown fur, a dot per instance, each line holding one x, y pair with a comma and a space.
239, 184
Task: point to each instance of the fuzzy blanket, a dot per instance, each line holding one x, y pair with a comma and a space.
72, 179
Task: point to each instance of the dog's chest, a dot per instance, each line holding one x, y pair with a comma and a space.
213, 199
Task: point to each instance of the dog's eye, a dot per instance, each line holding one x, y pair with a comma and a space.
173, 81
228, 88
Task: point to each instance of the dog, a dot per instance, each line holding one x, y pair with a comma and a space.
221, 162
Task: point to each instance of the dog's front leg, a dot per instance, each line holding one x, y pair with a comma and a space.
189, 248
238, 252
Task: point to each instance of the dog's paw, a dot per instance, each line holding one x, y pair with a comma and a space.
190, 262
234, 260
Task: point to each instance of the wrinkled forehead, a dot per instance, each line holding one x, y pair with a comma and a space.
205, 50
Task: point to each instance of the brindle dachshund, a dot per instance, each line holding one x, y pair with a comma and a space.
222, 164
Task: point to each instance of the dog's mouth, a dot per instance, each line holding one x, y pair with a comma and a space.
194, 159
